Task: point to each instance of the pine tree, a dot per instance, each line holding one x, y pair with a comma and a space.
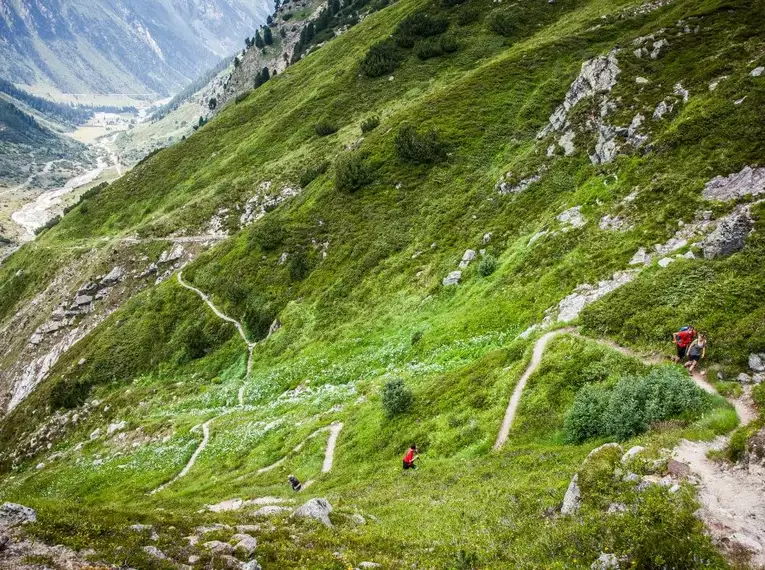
258, 40
266, 74
268, 38
269, 20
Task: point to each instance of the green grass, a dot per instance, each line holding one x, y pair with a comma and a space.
373, 310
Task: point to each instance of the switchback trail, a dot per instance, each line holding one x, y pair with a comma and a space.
240, 396
329, 452
731, 497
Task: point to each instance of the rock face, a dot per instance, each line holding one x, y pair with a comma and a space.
218, 547
729, 235
749, 182
606, 561
12, 514
572, 500
317, 509
467, 257
246, 544
597, 75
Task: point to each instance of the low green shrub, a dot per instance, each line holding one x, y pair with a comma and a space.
312, 172
351, 172
449, 43
421, 25
382, 58
468, 15
427, 48
502, 22
422, 148
370, 124
325, 128
268, 235
633, 405
488, 265
299, 266
396, 397
48, 225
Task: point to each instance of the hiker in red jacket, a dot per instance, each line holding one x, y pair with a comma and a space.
411, 455
683, 338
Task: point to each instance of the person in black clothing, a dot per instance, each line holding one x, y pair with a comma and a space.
296, 485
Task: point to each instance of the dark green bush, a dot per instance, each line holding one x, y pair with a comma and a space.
449, 43
370, 124
351, 172
48, 225
325, 128
421, 25
468, 15
299, 266
633, 405
502, 22
312, 172
422, 148
268, 234
427, 48
382, 58
488, 265
451, 3
396, 397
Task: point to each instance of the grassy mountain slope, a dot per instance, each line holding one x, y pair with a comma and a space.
373, 309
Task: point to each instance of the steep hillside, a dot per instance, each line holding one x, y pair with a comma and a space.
95, 46
466, 225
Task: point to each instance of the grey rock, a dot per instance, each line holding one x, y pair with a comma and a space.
631, 453
744, 378
641, 257
155, 552
572, 500
246, 544
662, 109
487, 237
665, 261
173, 255
12, 514
617, 508
566, 141
744, 542
658, 47
81, 300
572, 217
748, 182
570, 307
606, 561
729, 235
358, 519
597, 75
452, 279
369, 565
504, 187
317, 509
757, 361
251, 565
757, 71
632, 478
219, 548
270, 511
467, 257
5, 542
113, 277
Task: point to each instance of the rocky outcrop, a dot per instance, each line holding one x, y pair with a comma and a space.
597, 75
570, 307
262, 203
452, 279
12, 514
507, 185
729, 235
572, 500
572, 217
316, 509
748, 182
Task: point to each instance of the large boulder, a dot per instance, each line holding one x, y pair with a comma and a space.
729, 235
317, 509
606, 561
12, 514
754, 456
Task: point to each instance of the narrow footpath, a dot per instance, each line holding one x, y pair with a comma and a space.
731, 496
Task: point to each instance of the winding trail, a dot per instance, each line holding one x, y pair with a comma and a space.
240, 395
512, 407
732, 502
220, 314
193, 459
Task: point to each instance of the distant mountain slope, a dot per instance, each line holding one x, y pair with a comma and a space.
103, 46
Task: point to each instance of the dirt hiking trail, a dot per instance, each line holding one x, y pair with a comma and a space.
731, 497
